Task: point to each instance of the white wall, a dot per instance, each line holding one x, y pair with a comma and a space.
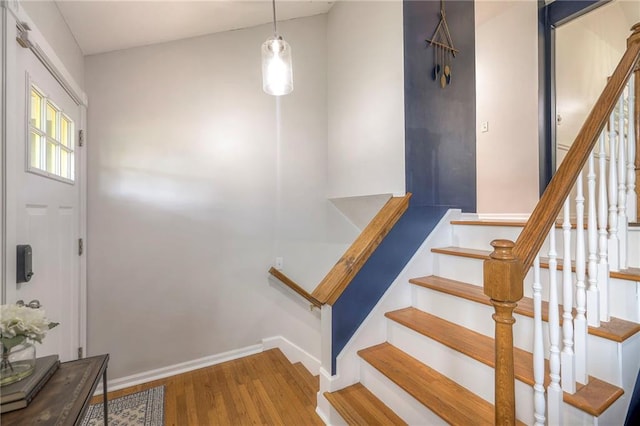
366, 98
197, 181
587, 51
49, 21
507, 98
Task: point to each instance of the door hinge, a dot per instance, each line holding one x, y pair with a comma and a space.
23, 35
80, 353
80, 247
80, 137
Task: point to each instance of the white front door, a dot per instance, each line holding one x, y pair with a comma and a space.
44, 200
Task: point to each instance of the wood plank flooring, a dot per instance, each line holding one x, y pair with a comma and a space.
261, 389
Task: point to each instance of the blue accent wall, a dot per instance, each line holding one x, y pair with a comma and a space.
440, 139
440, 163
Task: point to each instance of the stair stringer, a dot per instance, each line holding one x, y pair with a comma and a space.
373, 329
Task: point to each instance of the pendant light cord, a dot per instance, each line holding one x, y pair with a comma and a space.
275, 28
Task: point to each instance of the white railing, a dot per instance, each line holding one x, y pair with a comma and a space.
611, 205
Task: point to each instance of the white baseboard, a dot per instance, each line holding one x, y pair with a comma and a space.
293, 352
323, 416
183, 367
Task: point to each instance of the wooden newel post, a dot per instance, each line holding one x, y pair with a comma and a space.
503, 284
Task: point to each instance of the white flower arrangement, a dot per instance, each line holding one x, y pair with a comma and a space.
20, 323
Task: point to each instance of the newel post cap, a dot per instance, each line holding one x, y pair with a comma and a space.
503, 273
635, 34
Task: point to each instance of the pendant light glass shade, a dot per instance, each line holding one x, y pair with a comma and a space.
277, 70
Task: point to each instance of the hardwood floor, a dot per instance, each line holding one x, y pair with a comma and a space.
261, 389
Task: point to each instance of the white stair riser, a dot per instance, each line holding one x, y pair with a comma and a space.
573, 416
624, 299
633, 257
602, 358
480, 237
458, 268
394, 397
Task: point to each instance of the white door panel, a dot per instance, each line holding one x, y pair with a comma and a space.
46, 217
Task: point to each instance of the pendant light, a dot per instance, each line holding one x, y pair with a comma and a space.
277, 71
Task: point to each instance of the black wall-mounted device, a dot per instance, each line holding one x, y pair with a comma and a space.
25, 264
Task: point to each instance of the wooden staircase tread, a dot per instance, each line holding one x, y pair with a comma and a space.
447, 399
358, 406
463, 252
631, 274
593, 398
617, 330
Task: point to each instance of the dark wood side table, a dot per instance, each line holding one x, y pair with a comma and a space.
64, 399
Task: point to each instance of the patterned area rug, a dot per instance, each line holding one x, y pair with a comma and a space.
144, 408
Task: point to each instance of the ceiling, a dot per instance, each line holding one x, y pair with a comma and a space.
105, 25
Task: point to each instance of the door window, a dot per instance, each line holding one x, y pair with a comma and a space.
50, 146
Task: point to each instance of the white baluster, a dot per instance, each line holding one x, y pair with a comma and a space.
613, 198
554, 391
603, 243
567, 356
622, 188
580, 324
593, 304
538, 347
632, 201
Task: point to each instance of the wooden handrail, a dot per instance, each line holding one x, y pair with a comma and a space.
505, 270
339, 277
295, 287
534, 233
